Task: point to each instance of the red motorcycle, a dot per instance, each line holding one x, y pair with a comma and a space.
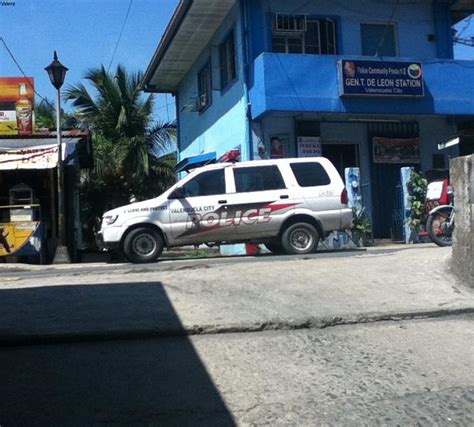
439, 202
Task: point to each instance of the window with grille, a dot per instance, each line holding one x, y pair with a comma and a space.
227, 60
301, 34
204, 87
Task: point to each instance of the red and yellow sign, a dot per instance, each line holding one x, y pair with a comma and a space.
16, 105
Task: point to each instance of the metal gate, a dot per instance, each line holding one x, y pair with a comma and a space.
387, 211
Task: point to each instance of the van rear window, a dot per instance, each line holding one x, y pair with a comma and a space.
310, 174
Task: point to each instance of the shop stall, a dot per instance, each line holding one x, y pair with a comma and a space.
28, 195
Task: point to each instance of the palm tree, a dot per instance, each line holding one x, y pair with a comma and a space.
121, 119
131, 153
45, 116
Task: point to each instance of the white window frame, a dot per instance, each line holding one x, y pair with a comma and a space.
286, 35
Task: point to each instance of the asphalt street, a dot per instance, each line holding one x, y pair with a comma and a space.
390, 373
327, 339
167, 264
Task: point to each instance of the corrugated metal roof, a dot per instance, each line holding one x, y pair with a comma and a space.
188, 33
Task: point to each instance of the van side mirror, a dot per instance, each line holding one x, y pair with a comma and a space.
177, 193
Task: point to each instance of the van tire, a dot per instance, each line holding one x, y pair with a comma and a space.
143, 244
300, 238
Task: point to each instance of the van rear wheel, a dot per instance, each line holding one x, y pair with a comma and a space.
300, 238
143, 245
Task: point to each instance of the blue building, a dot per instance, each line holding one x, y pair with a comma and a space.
369, 84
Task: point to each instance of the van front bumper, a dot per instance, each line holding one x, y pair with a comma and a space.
109, 238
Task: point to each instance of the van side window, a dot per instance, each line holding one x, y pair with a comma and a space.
206, 184
310, 174
258, 178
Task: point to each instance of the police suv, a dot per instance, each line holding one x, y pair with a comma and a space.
286, 204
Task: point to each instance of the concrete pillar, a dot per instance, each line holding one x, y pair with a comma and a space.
462, 180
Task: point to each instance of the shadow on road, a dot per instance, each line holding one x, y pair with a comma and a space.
160, 381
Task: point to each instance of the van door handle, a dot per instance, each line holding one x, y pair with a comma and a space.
221, 202
284, 196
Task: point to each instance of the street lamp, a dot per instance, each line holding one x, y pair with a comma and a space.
57, 73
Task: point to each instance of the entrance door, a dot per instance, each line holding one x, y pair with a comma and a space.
387, 211
342, 156
387, 208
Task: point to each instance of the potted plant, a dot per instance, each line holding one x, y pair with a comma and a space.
361, 227
416, 185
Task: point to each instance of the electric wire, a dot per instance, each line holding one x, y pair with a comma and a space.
382, 40
466, 26
23, 73
120, 35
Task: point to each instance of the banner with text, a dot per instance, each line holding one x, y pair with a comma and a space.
396, 150
39, 157
309, 146
380, 78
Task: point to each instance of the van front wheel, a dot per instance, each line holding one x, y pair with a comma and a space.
143, 245
300, 238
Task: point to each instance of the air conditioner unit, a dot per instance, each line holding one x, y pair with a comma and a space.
289, 23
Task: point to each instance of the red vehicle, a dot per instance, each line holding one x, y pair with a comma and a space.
439, 203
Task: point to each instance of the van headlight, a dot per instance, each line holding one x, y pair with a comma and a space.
109, 219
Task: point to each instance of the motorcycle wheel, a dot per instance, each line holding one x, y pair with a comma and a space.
436, 228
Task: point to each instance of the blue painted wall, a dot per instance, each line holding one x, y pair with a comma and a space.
222, 125
310, 83
414, 22
286, 88
284, 83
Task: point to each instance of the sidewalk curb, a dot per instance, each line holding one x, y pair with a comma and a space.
12, 340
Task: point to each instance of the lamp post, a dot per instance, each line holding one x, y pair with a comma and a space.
57, 73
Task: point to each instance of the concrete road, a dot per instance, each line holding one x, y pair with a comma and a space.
216, 297
389, 373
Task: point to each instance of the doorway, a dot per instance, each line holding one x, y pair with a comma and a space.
342, 156
387, 206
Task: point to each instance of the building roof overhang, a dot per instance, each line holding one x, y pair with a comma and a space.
461, 9
189, 31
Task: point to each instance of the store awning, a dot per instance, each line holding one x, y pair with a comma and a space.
194, 162
32, 153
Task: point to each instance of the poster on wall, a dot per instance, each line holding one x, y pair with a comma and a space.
279, 146
309, 146
392, 150
16, 105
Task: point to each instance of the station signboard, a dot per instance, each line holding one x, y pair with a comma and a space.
381, 78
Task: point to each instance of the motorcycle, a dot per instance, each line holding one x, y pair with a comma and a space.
440, 223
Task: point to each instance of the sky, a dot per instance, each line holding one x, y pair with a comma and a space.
85, 34
465, 30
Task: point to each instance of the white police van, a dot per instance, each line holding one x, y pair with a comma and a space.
286, 204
